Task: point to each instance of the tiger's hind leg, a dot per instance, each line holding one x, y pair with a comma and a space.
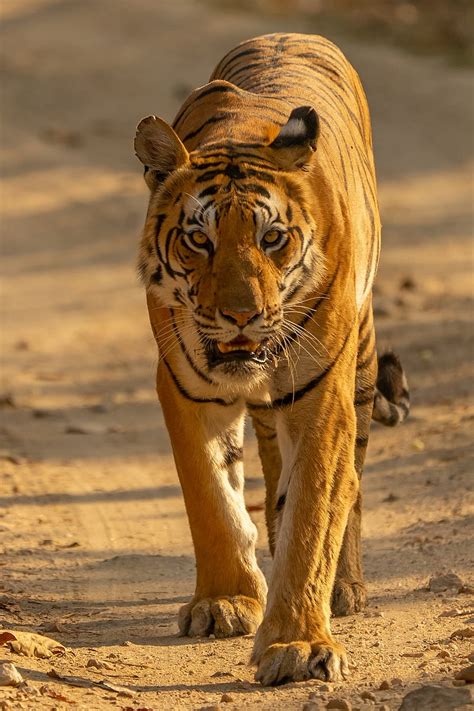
264, 426
349, 592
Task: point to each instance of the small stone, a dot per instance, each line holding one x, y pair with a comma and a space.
444, 581
368, 696
218, 674
396, 681
437, 698
339, 704
408, 283
9, 675
227, 698
91, 428
316, 695
98, 664
384, 685
463, 633
452, 613
7, 400
466, 674
459, 682
212, 636
413, 655
99, 409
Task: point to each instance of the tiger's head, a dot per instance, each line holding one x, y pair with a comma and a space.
231, 243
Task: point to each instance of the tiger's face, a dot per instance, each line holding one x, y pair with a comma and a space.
230, 248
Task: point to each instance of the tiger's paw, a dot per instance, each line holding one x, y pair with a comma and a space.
348, 597
221, 616
299, 661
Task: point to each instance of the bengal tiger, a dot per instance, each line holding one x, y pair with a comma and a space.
258, 256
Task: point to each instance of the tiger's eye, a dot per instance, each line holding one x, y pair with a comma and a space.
199, 238
199, 241
272, 237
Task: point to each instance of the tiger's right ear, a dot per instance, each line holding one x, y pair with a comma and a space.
159, 149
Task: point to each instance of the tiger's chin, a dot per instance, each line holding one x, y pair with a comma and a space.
241, 363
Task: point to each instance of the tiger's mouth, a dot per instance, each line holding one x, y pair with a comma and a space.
239, 349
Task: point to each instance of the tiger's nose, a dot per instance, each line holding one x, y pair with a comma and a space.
241, 318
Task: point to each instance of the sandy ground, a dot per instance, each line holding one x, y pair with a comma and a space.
95, 548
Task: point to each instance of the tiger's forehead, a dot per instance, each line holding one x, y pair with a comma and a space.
220, 204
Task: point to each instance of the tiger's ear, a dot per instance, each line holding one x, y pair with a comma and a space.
159, 149
296, 141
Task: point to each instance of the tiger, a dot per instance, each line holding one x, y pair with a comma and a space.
258, 255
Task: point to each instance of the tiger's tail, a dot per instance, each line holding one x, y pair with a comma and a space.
392, 397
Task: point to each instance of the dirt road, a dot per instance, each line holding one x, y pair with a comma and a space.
95, 548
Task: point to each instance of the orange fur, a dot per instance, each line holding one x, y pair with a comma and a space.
258, 254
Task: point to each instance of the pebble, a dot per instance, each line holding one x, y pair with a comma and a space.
396, 681
413, 655
339, 704
445, 581
437, 698
321, 688
444, 654
453, 613
384, 685
218, 674
9, 675
368, 695
97, 664
459, 682
227, 698
463, 633
467, 674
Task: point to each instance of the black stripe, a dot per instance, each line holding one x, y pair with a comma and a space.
190, 361
280, 503
368, 361
210, 190
206, 92
188, 396
292, 397
232, 454
209, 121
246, 67
230, 58
364, 398
157, 276
362, 441
253, 188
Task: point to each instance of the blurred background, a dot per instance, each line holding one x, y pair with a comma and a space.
86, 474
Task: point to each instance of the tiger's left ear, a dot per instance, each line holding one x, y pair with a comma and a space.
296, 141
159, 148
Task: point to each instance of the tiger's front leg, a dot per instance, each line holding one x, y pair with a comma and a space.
319, 485
207, 444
